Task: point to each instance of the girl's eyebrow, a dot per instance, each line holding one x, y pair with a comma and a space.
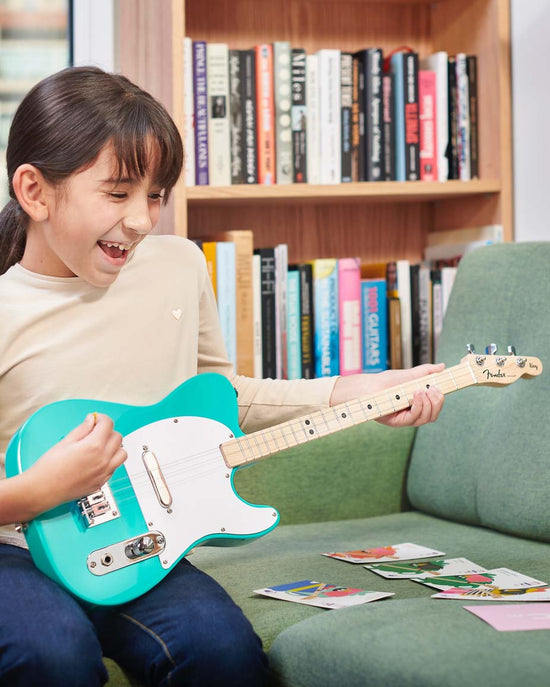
118, 180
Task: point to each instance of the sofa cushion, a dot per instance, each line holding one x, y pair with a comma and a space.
486, 460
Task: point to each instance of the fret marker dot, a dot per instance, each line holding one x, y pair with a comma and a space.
427, 386
369, 406
307, 422
344, 415
397, 396
311, 431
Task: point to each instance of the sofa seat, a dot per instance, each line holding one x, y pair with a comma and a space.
408, 639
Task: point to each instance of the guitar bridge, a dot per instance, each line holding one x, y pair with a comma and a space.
98, 507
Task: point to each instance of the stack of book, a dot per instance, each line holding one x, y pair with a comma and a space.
274, 114
332, 316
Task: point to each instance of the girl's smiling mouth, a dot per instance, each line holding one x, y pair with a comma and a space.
115, 251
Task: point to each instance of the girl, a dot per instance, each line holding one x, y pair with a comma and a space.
91, 308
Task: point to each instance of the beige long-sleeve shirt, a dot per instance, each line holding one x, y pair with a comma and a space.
131, 343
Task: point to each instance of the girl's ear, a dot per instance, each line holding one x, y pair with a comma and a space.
31, 188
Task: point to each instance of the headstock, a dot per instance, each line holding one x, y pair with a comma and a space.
490, 368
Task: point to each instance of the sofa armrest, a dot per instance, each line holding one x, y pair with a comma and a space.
355, 473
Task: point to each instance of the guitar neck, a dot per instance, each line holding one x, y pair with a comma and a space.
253, 447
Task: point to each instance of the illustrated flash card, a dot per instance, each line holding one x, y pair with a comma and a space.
494, 583
486, 593
506, 618
403, 571
381, 554
321, 594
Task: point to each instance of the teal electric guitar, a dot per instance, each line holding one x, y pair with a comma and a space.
175, 491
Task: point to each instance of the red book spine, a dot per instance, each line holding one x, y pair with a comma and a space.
428, 139
265, 113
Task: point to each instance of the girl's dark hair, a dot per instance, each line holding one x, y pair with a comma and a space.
62, 125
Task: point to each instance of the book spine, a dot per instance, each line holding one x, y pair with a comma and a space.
438, 63
396, 63
307, 320
250, 163
420, 314
388, 126
325, 295
349, 314
374, 319
282, 105
471, 62
294, 347
267, 275
374, 115
299, 115
412, 125
437, 309
209, 250
201, 113
428, 117
257, 314
329, 117
394, 314
265, 114
281, 269
226, 279
188, 112
463, 117
346, 103
452, 148
219, 164
355, 138
404, 291
359, 60
313, 123
236, 116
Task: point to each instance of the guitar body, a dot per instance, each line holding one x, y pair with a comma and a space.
173, 493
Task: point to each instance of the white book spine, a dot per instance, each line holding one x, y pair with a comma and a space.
257, 314
282, 103
188, 112
313, 136
329, 117
219, 146
404, 291
438, 63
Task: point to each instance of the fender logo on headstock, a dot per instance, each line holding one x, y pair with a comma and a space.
489, 375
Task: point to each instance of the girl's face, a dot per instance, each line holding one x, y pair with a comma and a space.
93, 223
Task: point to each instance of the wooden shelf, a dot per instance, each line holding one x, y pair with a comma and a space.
391, 191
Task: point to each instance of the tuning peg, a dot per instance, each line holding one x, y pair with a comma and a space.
491, 349
470, 348
511, 350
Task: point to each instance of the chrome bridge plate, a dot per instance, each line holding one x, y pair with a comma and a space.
124, 553
98, 507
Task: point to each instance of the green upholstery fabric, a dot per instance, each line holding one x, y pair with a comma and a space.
486, 460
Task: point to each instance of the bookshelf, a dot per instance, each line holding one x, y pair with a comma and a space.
375, 221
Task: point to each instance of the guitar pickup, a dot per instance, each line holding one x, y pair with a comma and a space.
98, 507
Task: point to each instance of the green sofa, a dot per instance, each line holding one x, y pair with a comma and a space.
474, 484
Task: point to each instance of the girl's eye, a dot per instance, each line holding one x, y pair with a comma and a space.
156, 196
117, 195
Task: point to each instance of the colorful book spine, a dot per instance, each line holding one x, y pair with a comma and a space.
226, 296
236, 130
282, 104
346, 103
294, 338
257, 314
201, 113
355, 138
299, 115
428, 121
325, 298
307, 320
438, 63
374, 319
349, 313
329, 117
265, 124
249, 117
209, 250
188, 112
397, 71
219, 164
412, 124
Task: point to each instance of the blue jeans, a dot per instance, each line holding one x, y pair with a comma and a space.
185, 631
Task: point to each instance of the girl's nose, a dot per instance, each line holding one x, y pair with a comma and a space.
138, 218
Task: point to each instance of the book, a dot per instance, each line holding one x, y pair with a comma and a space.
294, 336
243, 239
313, 122
325, 300
299, 115
463, 117
359, 85
281, 269
267, 281
491, 233
394, 317
412, 123
209, 250
398, 89
201, 112
374, 320
346, 102
265, 123
403, 272
219, 164
349, 314
452, 148
374, 132
249, 117
437, 309
257, 315
307, 320
188, 112
355, 136
438, 63
329, 117
421, 314
388, 134
471, 66
236, 129
284, 173
428, 118
226, 296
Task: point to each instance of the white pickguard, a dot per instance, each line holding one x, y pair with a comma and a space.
204, 503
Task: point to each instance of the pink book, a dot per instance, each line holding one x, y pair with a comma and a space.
428, 139
349, 313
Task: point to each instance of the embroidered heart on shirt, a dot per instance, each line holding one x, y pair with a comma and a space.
176, 313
